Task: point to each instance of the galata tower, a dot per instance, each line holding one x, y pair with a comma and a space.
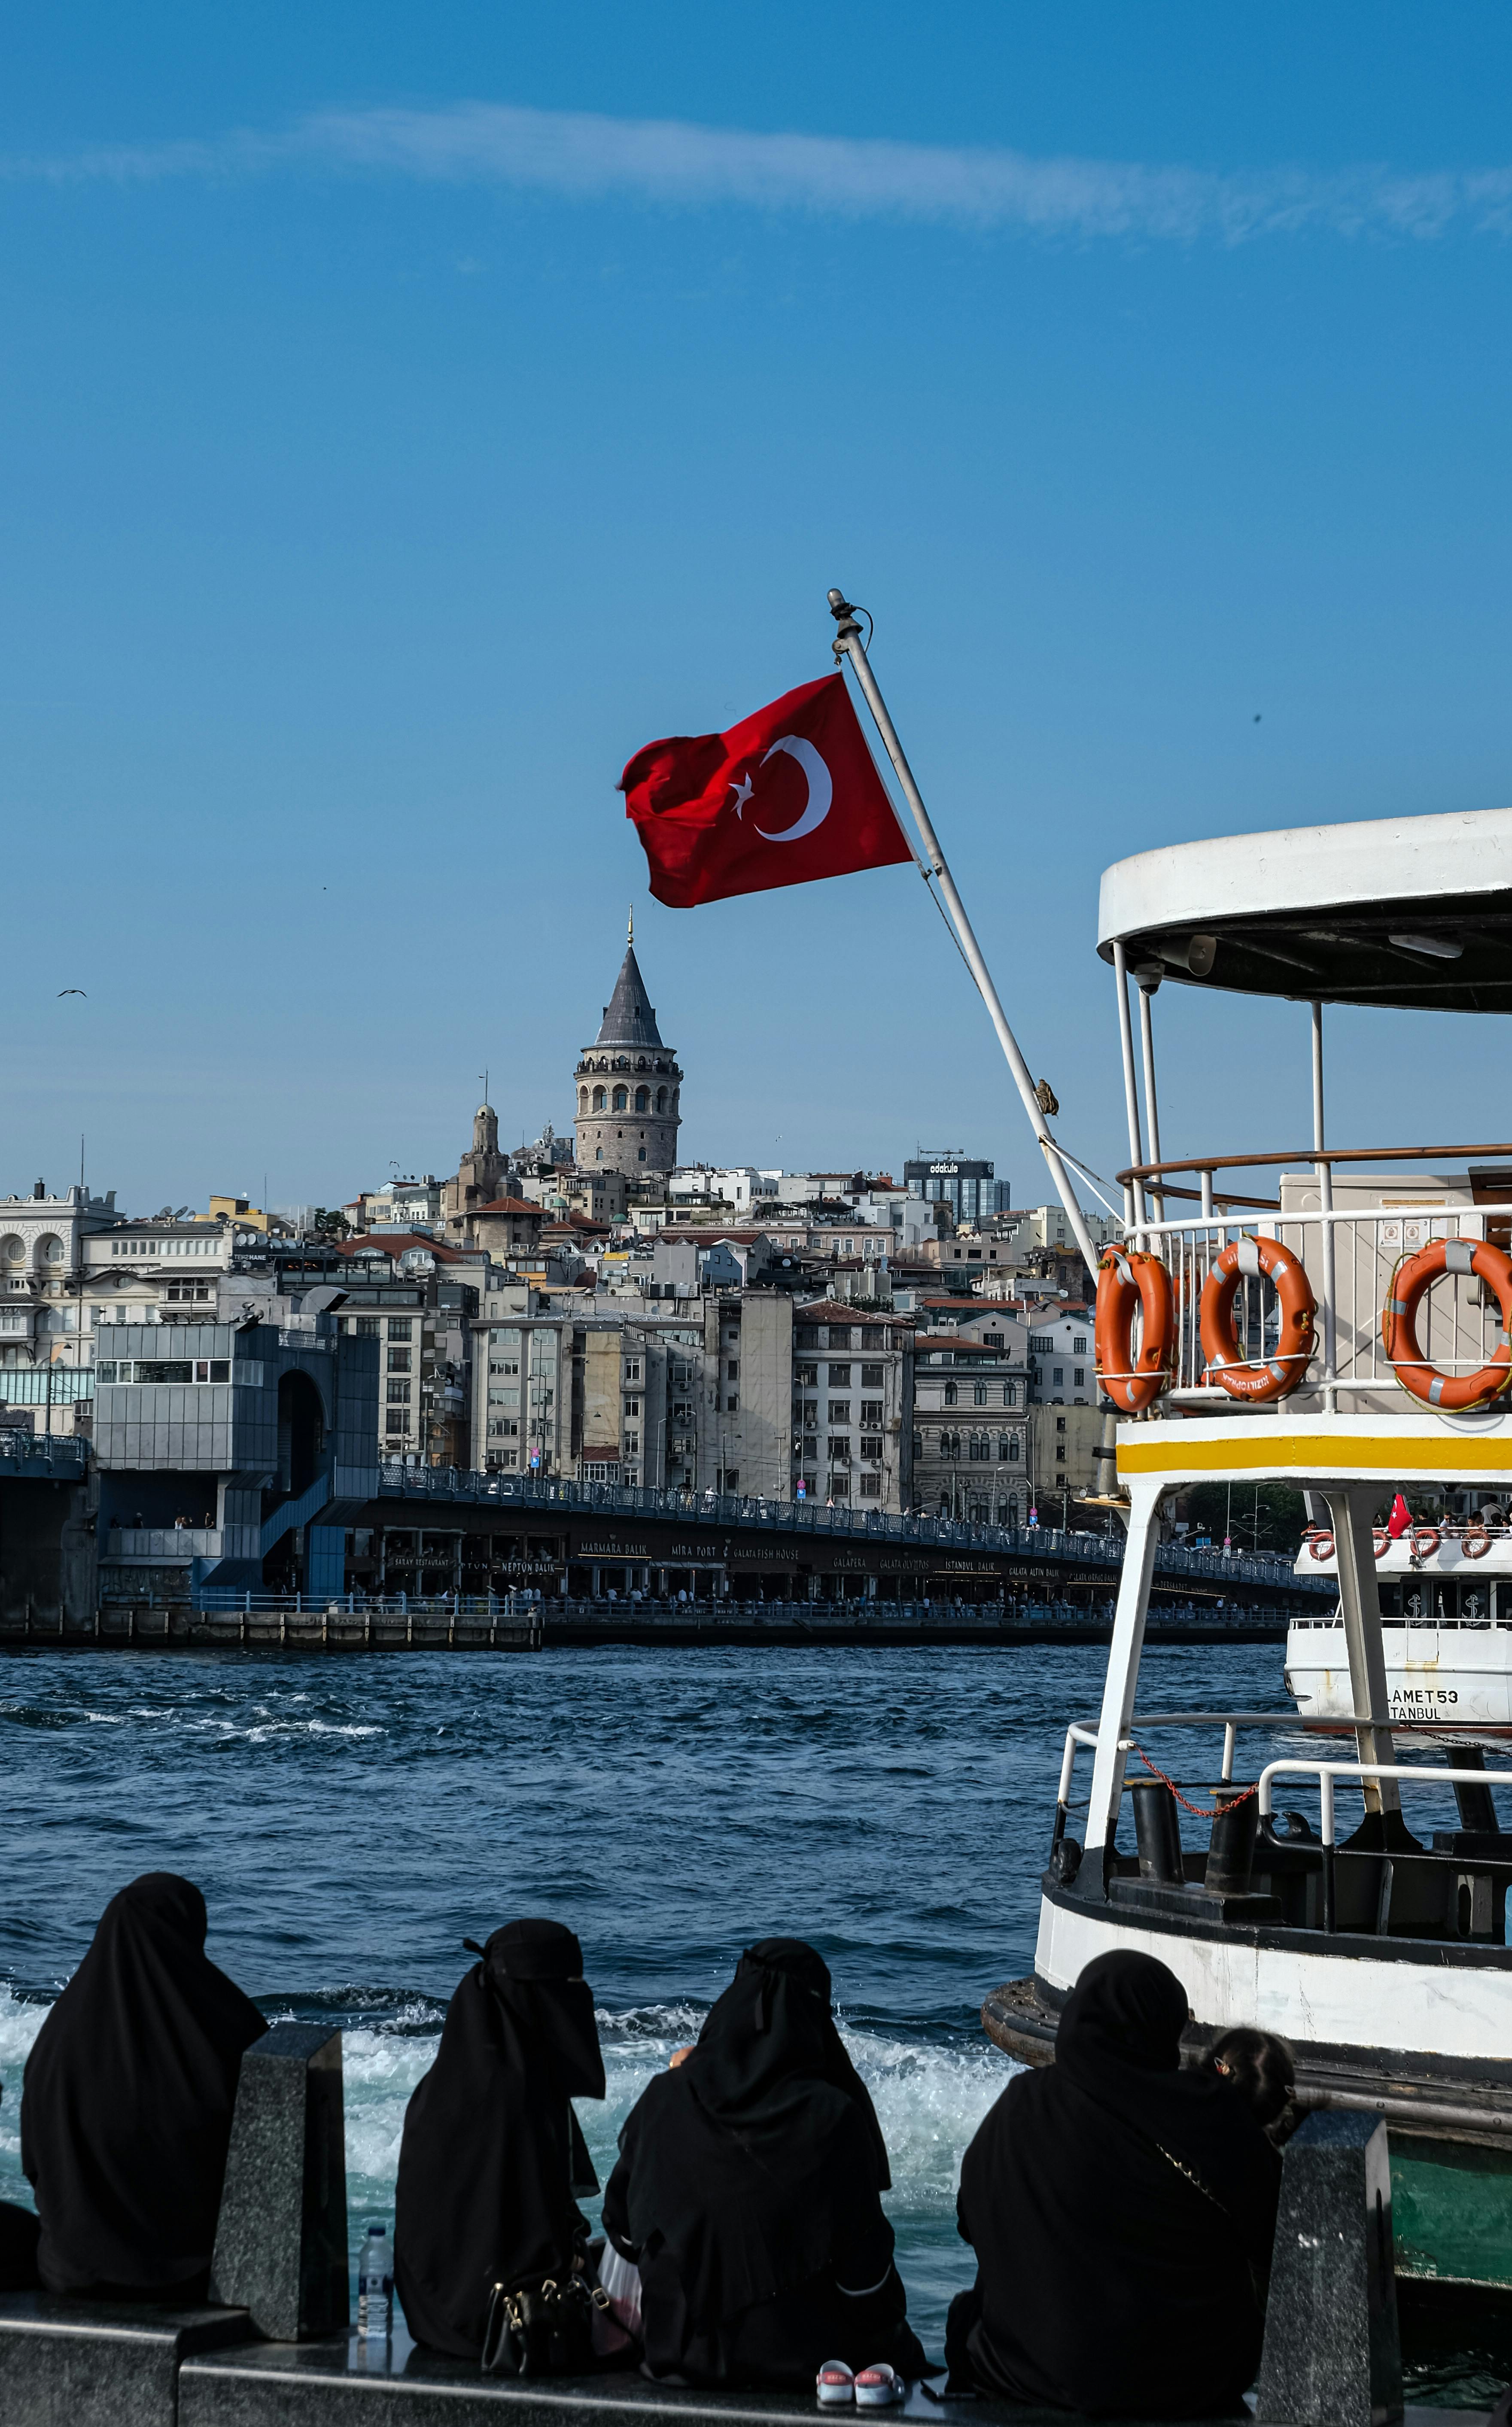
627, 1083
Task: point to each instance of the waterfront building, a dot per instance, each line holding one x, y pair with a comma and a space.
1062, 1447
70, 1265
970, 1418
628, 1085
853, 1383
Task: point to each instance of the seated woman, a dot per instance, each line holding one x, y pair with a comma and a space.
1116, 2204
126, 2100
748, 2192
493, 2157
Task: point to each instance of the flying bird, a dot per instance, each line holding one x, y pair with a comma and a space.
63, 990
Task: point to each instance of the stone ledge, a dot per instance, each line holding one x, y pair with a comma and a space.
341, 2382
101, 2363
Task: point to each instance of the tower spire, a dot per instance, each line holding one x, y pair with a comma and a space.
632, 924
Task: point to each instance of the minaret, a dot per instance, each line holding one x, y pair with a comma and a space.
628, 1084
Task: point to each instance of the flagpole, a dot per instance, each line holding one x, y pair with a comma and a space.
848, 642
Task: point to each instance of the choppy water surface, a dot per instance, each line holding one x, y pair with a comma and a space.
351, 1819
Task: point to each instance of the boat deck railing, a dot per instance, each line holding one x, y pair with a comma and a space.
1324, 1775
1351, 1255
1082, 1735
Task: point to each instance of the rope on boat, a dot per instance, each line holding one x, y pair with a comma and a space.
1195, 1808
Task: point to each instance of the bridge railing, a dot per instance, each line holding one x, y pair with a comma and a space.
64, 1456
454, 1484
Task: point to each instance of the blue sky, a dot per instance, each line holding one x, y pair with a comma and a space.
407, 412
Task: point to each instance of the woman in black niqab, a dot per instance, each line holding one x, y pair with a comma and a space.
127, 2101
493, 2156
748, 2190
1117, 2204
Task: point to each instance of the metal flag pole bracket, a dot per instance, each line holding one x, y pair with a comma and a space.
1038, 1102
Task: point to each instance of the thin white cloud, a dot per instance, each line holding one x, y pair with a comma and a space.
673, 163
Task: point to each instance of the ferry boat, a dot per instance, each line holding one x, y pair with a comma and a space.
1347, 1330
1445, 1592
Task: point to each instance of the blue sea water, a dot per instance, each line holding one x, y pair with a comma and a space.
351, 1818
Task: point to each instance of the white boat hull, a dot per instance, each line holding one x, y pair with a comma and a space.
1345, 1999
1457, 1673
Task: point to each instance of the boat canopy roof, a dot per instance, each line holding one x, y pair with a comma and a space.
1410, 913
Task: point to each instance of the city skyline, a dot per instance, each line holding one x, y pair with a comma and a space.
407, 423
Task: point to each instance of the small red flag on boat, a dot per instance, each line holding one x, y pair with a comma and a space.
789, 795
1400, 1518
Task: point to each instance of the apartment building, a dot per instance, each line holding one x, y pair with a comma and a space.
853, 1380
69, 1264
971, 1420
1062, 1370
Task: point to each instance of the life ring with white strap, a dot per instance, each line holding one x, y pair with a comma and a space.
1128, 1279
1278, 1375
1410, 1283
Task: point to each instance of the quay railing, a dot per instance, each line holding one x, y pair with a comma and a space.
1351, 1254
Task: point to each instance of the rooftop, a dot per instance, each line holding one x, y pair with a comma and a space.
628, 1018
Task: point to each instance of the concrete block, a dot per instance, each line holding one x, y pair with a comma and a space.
1333, 2354
281, 2239
66, 2362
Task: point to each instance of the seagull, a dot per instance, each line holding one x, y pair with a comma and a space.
63, 990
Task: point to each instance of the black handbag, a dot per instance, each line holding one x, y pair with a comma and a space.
544, 2329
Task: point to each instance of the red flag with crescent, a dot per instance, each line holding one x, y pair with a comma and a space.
788, 796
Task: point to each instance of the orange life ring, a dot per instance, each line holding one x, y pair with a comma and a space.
1474, 1542
1381, 1540
1126, 1278
1322, 1546
1219, 1337
1399, 1324
1425, 1540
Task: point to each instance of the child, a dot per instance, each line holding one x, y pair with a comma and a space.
1259, 2070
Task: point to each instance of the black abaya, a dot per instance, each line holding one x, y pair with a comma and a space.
492, 2154
748, 2192
127, 2101
1116, 2204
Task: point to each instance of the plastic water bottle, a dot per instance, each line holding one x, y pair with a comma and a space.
375, 2285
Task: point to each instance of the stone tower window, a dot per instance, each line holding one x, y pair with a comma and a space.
620, 1098
582, 1099
642, 1100
600, 1100
661, 1099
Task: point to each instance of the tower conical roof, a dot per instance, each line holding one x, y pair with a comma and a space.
628, 1019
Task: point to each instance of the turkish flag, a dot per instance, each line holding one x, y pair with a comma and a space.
789, 795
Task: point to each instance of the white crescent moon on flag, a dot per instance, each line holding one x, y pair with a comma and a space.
820, 790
